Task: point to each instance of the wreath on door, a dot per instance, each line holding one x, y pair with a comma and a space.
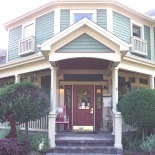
84, 94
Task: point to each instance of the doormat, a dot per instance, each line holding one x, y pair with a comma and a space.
85, 132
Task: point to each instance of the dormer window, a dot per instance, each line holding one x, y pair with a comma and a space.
136, 31
139, 45
26, 44
76, 15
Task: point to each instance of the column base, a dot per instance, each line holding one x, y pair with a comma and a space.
118, 146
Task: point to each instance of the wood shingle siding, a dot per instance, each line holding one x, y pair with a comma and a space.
44, 28
147, 37
64, 19
102, 18
86, 44
14, 38
121, 27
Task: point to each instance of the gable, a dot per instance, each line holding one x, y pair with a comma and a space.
84, 44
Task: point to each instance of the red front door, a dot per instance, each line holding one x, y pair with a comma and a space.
83, 102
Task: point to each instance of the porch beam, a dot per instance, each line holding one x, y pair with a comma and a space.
151, 81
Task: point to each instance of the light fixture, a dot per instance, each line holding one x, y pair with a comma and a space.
105, 87
61, 86
98, 91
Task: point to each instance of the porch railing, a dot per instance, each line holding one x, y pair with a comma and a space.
139, 46
26, 46
38, 125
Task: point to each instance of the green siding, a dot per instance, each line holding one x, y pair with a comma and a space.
14, 37
154, 43
102, 18
64, 18
86, 44
147, 37
44, 28
46, 84
121, 27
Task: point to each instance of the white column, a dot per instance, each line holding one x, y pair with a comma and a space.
52, 114
17, 78
114, 93
118, 130
114, 87
152, 82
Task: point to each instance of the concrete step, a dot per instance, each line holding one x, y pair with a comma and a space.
85, 142
105, 150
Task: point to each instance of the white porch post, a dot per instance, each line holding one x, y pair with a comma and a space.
151, 82
114, 93
118, 130
52, 114
17, 78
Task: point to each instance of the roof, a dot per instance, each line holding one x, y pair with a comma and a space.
3, 56
54, 3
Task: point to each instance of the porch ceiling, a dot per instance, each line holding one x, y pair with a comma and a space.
84, 63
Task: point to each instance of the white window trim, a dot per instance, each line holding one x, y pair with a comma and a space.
132, 22
72, 12
29, 23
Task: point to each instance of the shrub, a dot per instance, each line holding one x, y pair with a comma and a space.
13, 147
137, 108
39, 142
4, 132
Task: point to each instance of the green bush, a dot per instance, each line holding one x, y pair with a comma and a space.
138, 108
148, 144
39, 142
4, 132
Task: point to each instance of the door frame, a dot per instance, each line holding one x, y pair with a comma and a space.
82, 83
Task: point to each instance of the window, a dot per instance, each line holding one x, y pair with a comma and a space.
27, 43
137, 29
76, 15
28, 29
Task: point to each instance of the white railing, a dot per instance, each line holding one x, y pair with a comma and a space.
26, 46
139, 46
38, 125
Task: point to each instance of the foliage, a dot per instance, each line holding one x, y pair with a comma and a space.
148, 144
26, 100
13, 147
39, 142
4, 132
132, 143
84, 94
137, 108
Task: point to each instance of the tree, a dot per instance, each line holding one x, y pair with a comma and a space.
138, 108
24, 102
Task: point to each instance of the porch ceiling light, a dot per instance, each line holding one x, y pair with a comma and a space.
61, 86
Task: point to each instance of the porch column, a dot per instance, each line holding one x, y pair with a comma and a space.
114, 87
151, 82
118, 130
52, 114
17, 78
114, 93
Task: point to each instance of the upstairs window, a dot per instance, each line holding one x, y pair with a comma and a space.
76, 15
28, 29
136, 31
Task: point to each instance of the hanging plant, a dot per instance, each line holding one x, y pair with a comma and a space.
84, 94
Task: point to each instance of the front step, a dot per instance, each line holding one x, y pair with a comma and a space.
85, 143
105, 150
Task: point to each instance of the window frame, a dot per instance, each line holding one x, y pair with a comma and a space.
132, 22
27, 24
72, 12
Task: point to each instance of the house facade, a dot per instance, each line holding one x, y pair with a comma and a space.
86, 48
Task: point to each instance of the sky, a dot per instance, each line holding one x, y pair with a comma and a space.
10, 9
